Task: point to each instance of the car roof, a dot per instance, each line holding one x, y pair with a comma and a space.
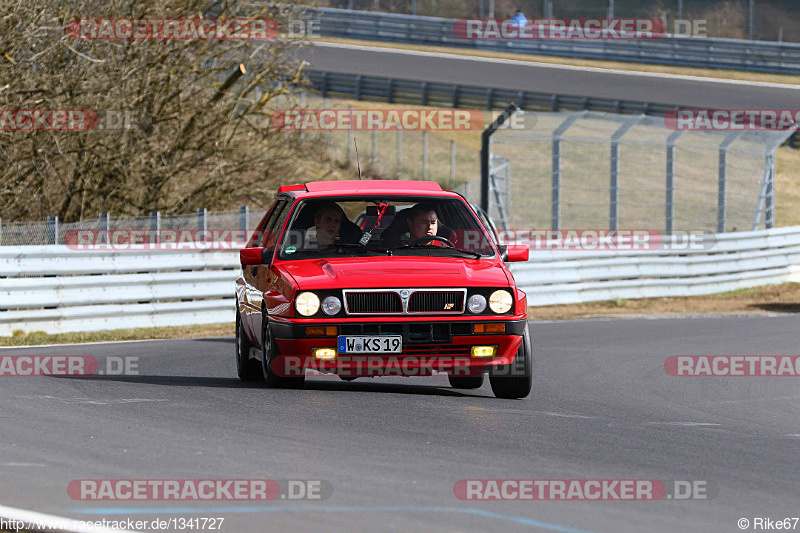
360, 187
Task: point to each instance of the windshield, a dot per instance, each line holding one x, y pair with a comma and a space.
387, 225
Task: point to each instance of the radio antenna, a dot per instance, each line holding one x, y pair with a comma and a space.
357, 161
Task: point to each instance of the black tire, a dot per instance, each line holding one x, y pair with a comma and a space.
268, 354
466, 382
248, 369
514, 381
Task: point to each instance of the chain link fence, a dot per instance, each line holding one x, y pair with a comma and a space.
601, 170
53, 231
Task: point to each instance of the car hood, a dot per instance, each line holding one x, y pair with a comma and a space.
375, 272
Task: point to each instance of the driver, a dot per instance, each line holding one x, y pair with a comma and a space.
422, 222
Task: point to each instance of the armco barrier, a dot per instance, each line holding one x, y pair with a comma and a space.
726, 262
399, 91
57, 289
704, 52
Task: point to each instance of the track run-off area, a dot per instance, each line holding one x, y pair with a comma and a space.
389, 451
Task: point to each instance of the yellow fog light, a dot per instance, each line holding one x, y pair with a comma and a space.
323, 353
483, 351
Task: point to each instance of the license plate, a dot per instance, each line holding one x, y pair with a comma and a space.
376, 344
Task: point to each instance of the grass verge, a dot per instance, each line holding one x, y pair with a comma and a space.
177, 332
769, 299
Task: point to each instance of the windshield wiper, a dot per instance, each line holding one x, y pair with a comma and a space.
351, 246
476, 255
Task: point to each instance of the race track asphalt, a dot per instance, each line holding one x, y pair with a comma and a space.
602, 407
705, 93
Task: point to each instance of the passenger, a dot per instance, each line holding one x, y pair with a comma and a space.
328, 220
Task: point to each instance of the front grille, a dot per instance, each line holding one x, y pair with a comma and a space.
373, 302
436, 302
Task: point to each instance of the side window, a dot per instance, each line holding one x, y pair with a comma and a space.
257, 238
275, 224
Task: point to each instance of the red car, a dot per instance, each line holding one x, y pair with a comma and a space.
417, 287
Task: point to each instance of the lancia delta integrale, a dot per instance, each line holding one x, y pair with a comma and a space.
375, 278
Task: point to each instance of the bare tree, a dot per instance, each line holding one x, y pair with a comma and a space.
181, 123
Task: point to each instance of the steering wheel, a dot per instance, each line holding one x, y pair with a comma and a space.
429, 238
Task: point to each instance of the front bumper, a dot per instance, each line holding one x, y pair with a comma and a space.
428, 348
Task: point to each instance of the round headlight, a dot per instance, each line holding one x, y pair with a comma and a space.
476, 303
331, 305
500, 301
307, 303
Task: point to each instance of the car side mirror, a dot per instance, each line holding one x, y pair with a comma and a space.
516, 252
253, 256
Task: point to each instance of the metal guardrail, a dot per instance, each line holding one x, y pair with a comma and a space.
703, 52
58, 289
401, 91
729, 261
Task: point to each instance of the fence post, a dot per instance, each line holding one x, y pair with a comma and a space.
722, 207
324, 89
325, 106
303, 106
374, 144
670, 201
555, 201
155, 227
452, 165
202, 223
103, 227
244, 217
770, 215
613, 217
399, 152
358, 87
425, 154
52, 230
350, 138
486, 137
1, 231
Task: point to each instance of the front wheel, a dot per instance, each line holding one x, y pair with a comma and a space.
269, 354
514, 380
248, 369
